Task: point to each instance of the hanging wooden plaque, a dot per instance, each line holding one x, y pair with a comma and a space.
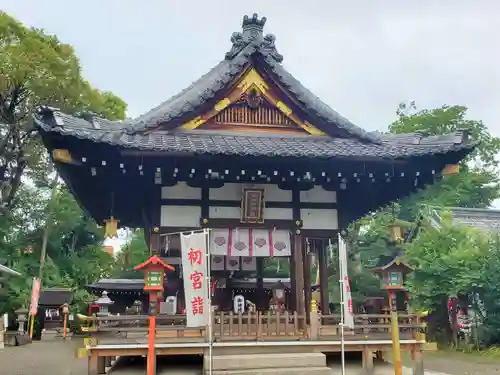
252, 205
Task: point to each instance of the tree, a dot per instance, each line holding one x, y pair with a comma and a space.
133, 253
488, 291
75, 256
448, 119
446, 263
37, 69
476, 185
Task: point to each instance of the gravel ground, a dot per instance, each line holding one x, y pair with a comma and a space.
56, 357
47, 357
460, 364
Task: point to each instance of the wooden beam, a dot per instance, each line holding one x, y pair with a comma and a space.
101, 365
418, 360
299, 273
367, 360
307, 283
204, 203
323, 278
292, 304
260, 283
234, 223
93, 363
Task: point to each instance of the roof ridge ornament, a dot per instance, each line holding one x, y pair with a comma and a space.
253, 35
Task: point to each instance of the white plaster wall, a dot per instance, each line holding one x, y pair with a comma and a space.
233, 192
235, 213
180, 216
318, 195
278, 213
224, 212
180, 191
319, 219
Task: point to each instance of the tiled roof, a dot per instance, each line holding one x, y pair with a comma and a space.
258, 144
250, 46
138, 284
8, 271
480, 218
55, 297
118, 284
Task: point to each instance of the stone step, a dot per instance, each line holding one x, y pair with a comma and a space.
276, 371
266, 361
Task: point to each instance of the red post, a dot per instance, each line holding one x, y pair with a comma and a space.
65, 311
151, 363
154, 271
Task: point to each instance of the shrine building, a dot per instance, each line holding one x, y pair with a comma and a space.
249, 152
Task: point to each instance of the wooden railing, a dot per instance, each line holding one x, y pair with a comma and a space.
370, 326
256, 326
259, 325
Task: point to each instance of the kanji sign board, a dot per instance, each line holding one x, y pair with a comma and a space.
194, 269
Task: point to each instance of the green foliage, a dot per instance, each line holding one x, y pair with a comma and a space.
75, 256
446, 262
132, 254
454, 261
38, 69
448, 119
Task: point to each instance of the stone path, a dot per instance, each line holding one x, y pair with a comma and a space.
51, 357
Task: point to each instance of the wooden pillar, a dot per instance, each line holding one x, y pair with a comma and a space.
291, 304
299, 274
323, 278
155, 244
367, 361
228, 300
314, 325
93, 363
391, 300
418, 360
307, 282
260, 303
101, 365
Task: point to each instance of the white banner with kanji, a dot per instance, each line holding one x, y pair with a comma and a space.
346, 286
194, 271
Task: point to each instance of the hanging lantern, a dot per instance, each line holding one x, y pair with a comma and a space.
450, 169
62, 156
396, 233
111, 227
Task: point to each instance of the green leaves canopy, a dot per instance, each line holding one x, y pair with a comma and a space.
37, 69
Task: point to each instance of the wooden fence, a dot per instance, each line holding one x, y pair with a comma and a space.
268, 325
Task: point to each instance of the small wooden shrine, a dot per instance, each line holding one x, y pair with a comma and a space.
392, 271
249, 152
50, 305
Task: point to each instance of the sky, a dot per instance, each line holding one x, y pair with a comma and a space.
362, 57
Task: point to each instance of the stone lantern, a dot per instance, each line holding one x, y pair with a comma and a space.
104, 302
137, 307
279, 295
22, 318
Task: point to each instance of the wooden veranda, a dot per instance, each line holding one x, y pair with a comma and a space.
127, 335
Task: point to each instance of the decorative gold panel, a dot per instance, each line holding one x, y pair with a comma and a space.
264, 115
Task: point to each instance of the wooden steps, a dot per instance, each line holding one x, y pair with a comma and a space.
269, 363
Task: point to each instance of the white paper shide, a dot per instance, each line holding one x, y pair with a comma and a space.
346, 286
194, 270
